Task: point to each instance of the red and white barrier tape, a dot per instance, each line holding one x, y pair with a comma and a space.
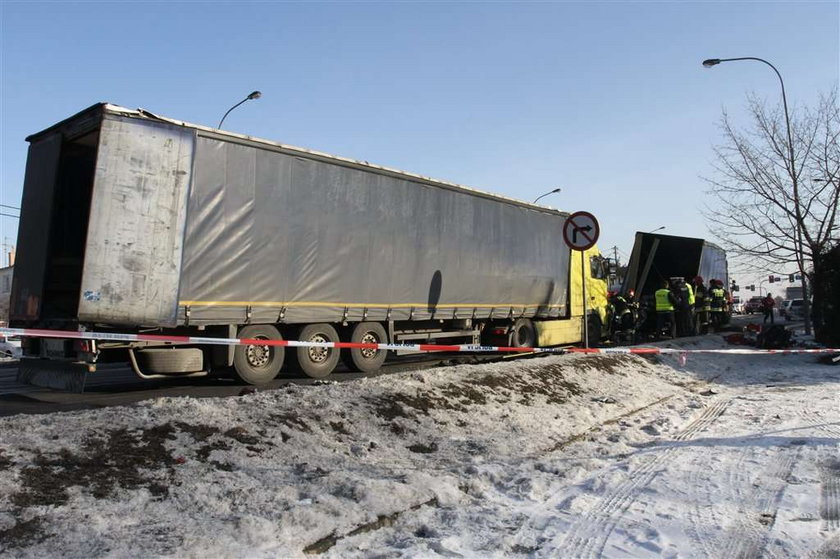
113, 336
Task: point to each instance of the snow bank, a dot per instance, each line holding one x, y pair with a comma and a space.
473, 460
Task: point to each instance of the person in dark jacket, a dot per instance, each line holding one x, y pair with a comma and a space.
767, 305
685, 306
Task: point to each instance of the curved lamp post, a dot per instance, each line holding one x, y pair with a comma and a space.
657, 229
252, 95
556, 190
800, 253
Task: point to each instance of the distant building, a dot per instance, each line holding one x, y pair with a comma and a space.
5, 292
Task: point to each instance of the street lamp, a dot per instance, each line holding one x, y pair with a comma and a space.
555, 191
800, 253
252, 95
657, 229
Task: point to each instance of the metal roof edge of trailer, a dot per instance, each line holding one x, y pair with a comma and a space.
96, 107
143, 113
704, 241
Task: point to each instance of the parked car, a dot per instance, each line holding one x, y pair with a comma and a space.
783, 307
753, 305
793, 309
737, 305
10, 347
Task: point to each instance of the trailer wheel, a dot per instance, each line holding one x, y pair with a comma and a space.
523, 333
365, 360
258, 364
317, 362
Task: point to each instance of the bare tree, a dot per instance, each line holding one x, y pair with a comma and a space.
775, 205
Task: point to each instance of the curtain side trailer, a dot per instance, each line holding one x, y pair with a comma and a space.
135, 223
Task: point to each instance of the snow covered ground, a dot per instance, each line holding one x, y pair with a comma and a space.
560, 456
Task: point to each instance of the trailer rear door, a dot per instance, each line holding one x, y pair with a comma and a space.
33, 244
136, 230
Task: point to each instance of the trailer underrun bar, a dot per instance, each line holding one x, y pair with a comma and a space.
467, 348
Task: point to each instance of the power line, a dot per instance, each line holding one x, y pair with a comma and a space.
10, 207
10, 215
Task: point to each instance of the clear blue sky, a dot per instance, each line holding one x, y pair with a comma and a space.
606, 100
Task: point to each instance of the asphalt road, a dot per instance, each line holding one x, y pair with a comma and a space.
116, 384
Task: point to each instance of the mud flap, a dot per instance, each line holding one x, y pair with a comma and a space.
57, 375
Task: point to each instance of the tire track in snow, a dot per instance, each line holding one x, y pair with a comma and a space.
829, 474
589, 535
708, 417
702, 515
820, 423
748, 535
830, 496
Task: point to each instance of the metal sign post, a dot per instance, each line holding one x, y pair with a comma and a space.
581, 231
585, 306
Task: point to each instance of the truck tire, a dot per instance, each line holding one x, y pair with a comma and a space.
365, 360
258, 364
596, 330
317, 362
523, 333
170, 360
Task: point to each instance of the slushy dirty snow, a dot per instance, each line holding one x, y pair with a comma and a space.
561, 456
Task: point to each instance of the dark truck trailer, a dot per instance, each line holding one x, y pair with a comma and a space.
658, 257
132, 222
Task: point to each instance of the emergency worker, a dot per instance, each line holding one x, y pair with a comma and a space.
665, 304
717, 304
702, 305
623, 322
726, 317
685, 306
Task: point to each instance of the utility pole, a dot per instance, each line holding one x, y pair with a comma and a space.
614, 276
7, 248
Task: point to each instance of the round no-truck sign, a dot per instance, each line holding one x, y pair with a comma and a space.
581, 231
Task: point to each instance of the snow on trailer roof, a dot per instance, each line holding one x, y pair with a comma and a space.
145, 114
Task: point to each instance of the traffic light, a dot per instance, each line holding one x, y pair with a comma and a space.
791, 277
751, 288
772, 279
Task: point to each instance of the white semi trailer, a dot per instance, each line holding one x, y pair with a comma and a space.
131, 222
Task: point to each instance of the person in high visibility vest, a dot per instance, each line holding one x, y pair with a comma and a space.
718, 301
702, 305
685, 306
665, 303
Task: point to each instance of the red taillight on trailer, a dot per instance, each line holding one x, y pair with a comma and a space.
499, 331
82, 346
